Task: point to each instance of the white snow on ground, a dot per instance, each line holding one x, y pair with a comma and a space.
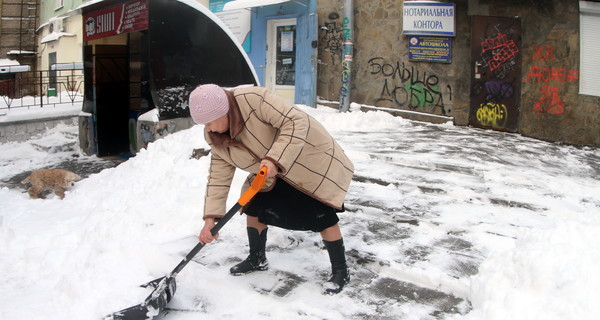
85, 256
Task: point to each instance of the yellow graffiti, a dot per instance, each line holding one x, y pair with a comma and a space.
492, 115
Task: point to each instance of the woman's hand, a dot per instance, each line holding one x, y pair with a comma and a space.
205, 236
271, 168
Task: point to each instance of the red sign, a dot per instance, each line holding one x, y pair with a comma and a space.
123, 18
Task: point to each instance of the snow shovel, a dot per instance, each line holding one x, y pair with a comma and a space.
164, 288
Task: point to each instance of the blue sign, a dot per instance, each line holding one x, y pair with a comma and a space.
428, 18
430, 49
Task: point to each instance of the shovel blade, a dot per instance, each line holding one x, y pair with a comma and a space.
139, 312
164, 289
154, 283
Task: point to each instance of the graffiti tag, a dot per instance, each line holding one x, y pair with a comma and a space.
492, 115
550, 101
408, 87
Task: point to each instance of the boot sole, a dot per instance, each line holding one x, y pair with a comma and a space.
244, 273
336, 291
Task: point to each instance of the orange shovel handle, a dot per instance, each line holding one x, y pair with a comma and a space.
257, 184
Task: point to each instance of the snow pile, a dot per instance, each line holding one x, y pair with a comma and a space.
549, 274
67, 256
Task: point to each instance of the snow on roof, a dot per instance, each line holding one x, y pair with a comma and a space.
55, 36
67, 66
89, 3
14, 69
243, 4
12, 66
9, 62
20, 52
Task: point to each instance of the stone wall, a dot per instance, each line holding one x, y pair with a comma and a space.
147, 130
151, 130
550, 106
382, 76
17, 29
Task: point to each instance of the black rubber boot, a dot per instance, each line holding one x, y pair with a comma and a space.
339, 270
257, 260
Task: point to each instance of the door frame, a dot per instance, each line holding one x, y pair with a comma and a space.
111, 99
286, 91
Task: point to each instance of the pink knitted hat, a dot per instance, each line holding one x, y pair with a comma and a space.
208, 102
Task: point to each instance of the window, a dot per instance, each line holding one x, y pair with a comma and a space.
59, 4
589, 75
286, 55
51, 73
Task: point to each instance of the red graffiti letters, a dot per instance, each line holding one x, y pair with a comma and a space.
504, 49
494, 43
543, 53
540, 74
550, 101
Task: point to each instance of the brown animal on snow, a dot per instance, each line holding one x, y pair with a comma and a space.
50, 179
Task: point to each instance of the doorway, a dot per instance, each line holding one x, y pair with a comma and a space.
280, 74
111, 96
496, 74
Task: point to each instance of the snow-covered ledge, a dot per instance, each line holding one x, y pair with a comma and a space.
150, 128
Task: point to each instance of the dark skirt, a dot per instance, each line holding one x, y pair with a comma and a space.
286, 207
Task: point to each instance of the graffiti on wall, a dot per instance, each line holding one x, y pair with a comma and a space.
151, 132
346, 66
493, 111
86, 131
502, 51
499, 55
331, 37
409, 87
549, 100
496, 58
345, 86
492, 114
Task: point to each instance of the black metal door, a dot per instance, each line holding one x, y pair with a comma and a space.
496, 73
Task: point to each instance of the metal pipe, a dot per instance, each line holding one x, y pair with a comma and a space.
348, 49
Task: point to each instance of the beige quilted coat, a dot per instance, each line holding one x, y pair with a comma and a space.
264, 125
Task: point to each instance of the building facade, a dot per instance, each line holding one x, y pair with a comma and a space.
18, 24
515, 66
142, 56
59, 33
528, 67
280, 38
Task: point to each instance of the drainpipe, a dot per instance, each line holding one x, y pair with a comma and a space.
347, 56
